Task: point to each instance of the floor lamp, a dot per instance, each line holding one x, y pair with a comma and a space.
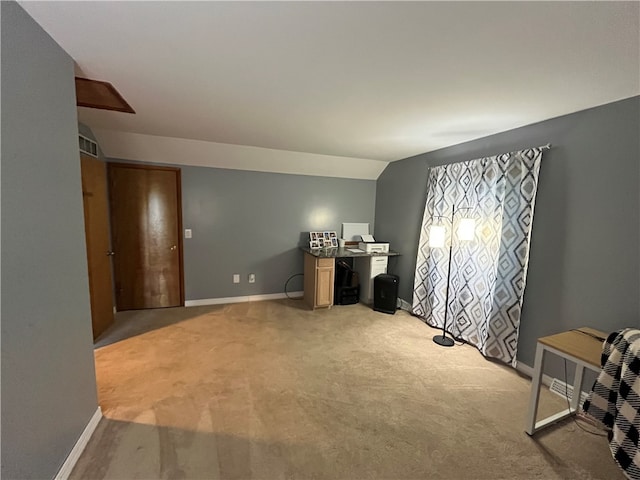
437, 239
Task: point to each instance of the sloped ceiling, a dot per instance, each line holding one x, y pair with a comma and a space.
344, 87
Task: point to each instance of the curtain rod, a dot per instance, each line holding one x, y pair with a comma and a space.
541, 147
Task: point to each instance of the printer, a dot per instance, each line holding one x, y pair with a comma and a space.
369, 245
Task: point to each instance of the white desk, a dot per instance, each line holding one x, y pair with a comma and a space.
368, 268
576, 346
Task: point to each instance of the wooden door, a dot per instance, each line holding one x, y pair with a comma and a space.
96, 228
146, 223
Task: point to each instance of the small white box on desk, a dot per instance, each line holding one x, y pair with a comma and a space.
374, 247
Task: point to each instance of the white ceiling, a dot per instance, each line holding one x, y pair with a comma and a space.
372, 81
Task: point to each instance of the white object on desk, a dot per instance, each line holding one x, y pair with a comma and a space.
355, 250
368, 238
376, 247
368, 268
352, 232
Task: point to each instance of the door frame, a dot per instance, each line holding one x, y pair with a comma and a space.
178, 172
84, 157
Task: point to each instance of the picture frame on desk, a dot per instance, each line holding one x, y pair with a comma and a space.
316, 240
326, 239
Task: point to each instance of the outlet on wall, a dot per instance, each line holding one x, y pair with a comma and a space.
252, 278
236, 278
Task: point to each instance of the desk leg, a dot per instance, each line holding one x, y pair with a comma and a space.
577, 387
535, 390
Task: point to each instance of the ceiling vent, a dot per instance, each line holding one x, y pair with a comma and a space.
88, 146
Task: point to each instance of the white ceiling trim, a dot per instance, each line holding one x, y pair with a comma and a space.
180, 151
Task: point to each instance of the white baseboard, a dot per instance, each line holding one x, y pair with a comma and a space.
528, 371
247, 298
78, 448
546, 379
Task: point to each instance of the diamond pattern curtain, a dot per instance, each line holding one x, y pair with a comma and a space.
488, 274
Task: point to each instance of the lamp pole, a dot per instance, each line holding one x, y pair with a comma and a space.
443, 340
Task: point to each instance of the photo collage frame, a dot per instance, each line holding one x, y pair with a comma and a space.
327, 239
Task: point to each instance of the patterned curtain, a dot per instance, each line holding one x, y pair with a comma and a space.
488, 274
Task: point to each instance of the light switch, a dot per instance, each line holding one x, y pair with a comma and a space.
187, 233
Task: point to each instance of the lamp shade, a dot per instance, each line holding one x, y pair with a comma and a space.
436, 236
467, 229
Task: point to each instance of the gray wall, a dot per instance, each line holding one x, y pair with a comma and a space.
253, 222
584, 259
48, 378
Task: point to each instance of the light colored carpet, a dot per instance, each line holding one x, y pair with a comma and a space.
271, 390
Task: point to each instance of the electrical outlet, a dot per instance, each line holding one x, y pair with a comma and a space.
236, 278
252, 278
